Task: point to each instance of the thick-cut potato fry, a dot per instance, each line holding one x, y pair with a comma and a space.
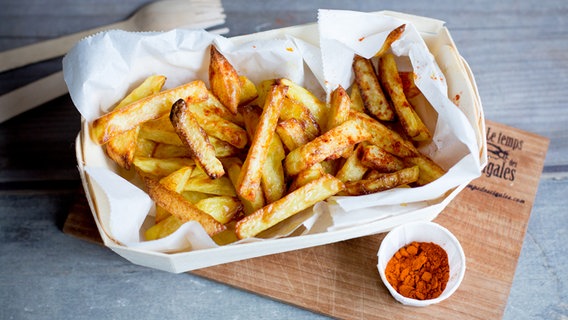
356, 99
161, 214
409, 119
122, 147
161, 167
195, 138
381, 183
371, 92
384, 137
194, 196
222, 208
352, 168
408, 85
251, 172
339, 107
178, 206
224, 80
248, 91
176, 180
392, 37
376, 158
222, 149
294, 202
273, 181
221, 186
292, 134
318, 109
332, 142
233, 171
163, 228
306, 176
160, 136
144, 148
429, 170
218, 127
152, 107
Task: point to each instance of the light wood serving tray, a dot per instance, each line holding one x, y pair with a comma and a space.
489, 217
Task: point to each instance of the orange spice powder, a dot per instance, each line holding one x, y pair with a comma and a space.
419, 270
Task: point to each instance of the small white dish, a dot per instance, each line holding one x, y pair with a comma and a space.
423, 232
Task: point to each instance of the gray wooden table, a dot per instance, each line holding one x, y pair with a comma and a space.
518, 53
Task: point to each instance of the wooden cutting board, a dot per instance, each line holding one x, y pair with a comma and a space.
489, 217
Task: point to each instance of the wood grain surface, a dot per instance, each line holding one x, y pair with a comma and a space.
489, 217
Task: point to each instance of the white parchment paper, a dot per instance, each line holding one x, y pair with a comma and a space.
102, 69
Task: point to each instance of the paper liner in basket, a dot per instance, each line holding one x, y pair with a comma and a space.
101, 69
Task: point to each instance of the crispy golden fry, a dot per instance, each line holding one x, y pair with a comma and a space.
392, 37
332, 142
161, 167
222, 208
194, 196
273, 182
196, 139
340, 104
179, 207
296, 109
409, 119
224, 80
378, 159
221, 186
233, 171
216, 126
222, 149
248, 91
176, 180
356, 99
251, 172
163, 228
317, 108
119, 121
292, 134
385, 138
144, 148
408, 85
352, 169
306, 176
371, 92
292, 203
122, 147
429, 170
226, 237
161, 214
160, 136
384, 182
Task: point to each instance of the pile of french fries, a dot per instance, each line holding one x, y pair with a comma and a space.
240, 157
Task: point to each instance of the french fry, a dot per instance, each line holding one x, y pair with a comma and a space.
332, 142
163, 228
179, 207
409, 119
371, 92
194, 196
352, 168
429, 170
221, 186
233, 171
176, 180
408, 85
392, 37
292, 134
273, 181
248, 91
122, 147
144, 148
306, 176
161, 167
340, 104
378, 159
196, 139
294, 202
152, 107
385, 138
317, 108
216, 126
224, 80
384, 182
222, 208
356, 99
161, 214
251, 172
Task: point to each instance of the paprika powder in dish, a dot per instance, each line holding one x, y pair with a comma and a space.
419, 270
